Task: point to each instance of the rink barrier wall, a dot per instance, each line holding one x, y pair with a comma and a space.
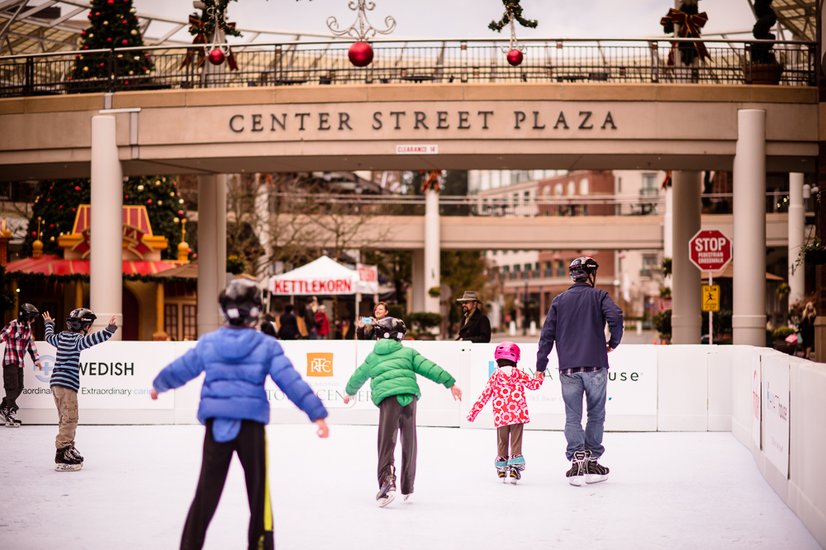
773, 403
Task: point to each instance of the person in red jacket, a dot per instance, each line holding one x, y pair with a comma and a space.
507, 387
322, 322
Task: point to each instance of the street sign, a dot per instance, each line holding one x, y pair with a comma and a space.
711, 298
709, 250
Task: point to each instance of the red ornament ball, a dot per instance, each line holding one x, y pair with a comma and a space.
515, 57
124, 42
180, 212
77, 188
216, 56
110, 2
360, 54
148, 201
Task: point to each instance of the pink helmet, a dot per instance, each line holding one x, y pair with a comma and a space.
507, 350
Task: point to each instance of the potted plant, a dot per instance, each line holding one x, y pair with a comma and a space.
763, 68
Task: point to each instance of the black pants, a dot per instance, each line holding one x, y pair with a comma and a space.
251, 446
392, 419
13, 384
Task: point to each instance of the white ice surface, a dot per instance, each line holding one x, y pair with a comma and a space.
666, 490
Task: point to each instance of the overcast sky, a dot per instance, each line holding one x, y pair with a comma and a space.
466, 18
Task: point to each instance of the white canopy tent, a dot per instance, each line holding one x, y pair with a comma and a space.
324, 276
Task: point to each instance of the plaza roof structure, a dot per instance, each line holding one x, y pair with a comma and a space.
53, 26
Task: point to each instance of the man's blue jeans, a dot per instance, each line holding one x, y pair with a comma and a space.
594, 385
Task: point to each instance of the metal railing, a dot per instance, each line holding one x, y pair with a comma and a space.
462, 205
448, 61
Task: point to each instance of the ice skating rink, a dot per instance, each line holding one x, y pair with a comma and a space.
666, 490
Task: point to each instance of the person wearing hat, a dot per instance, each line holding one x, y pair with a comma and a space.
476, 325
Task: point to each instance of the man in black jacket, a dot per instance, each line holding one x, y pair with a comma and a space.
475, 326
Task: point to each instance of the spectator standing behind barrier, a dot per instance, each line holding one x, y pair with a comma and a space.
268, 327
807, 329
288, 325
365, 326
576, 323
309, 318
322, 322
476, 325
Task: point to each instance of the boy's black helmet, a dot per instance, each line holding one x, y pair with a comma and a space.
79, 319
27, 313
241, 302
390, 328
583, 270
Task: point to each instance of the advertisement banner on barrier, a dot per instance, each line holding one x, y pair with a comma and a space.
775, 409
113, 375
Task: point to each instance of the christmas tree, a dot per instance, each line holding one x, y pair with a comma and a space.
55, 207
113, 26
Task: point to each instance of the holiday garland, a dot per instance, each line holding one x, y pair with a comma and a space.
513, 10
203, 28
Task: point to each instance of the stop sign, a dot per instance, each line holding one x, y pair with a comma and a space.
709, 250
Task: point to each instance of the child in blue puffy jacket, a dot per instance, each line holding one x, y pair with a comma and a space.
236, 360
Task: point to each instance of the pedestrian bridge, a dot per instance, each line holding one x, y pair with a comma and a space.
512, 233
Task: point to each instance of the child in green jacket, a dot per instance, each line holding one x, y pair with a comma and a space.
392, 369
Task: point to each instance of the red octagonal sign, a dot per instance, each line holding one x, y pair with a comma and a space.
710, 250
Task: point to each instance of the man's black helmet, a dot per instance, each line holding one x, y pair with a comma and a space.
27, 313
80, 318
390, 328
583, 270
241, 302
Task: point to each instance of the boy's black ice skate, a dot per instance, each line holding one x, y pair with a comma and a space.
65, 461
576, 475
4, 414
74, 452
387, 492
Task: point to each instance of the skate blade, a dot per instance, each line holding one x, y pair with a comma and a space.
68, 467
577, 481
590, 479
383, 502
11, 425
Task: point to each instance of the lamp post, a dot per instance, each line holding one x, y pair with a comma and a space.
525, 309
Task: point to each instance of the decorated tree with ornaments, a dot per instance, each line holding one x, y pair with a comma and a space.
55, 207
113, 26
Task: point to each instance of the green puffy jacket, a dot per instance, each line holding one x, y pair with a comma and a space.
392, 369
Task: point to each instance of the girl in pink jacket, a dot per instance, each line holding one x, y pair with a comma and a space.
507, 387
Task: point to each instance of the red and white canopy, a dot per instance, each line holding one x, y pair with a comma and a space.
322, 276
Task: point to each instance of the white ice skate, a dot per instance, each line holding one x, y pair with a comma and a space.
68, 467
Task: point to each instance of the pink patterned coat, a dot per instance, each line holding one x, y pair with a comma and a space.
507, 387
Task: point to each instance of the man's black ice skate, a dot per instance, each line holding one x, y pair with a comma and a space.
576, 475
4, 414
65, 461
595, 472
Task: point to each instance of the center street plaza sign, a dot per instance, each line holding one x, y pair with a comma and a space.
709, 250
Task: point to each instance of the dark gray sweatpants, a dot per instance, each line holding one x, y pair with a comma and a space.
393, 418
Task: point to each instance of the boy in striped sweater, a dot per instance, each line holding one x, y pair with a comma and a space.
65, 381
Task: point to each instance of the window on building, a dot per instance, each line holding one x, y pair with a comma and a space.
190, 322
583, 186
650, 264
649, 185
170, 320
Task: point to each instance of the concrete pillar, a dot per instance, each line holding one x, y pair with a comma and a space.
212, 249
797, 220
417, 269
685, 287
263, 267
432, 249
749, 243
668, 223
106, 224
